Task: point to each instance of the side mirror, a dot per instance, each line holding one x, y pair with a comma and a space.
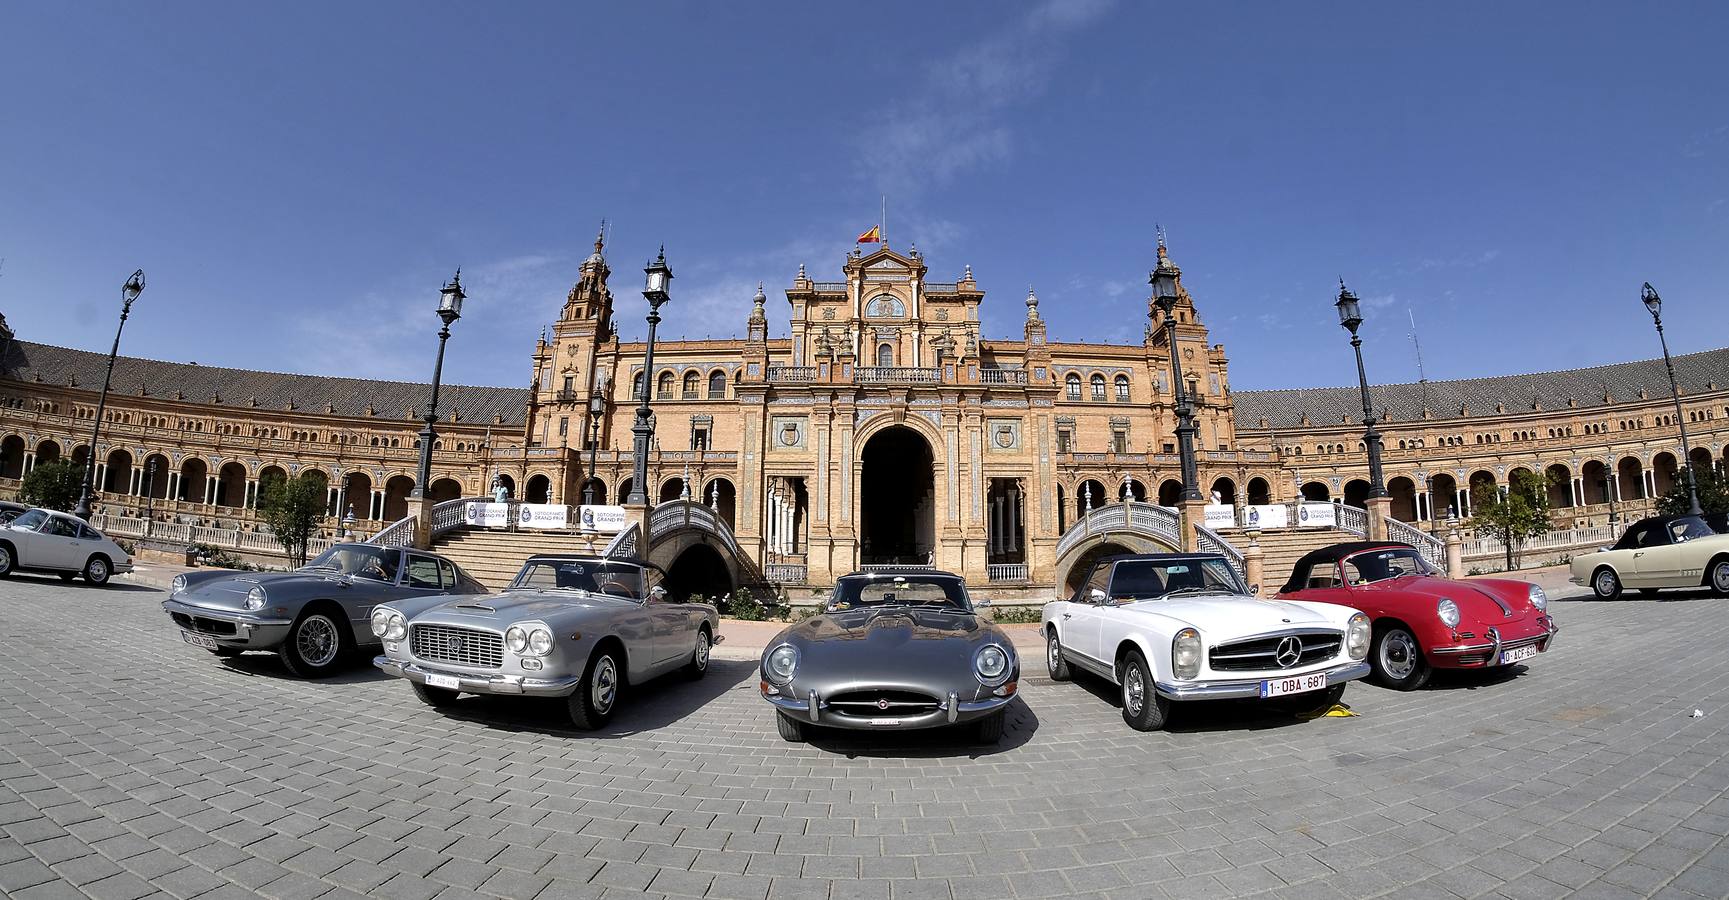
657, 594
1096, 596
981, 603
1254, 590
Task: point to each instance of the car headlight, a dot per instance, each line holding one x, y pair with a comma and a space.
178, 585
991, 664
540, 642
256, 598
1539, 599
388, 624
780, 663
1186, 653
516, 638
1357, 636
380, 622
1449, 612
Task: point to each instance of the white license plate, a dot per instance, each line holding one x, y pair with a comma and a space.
887, 722
443, 681
198, 640
1517, 654
1297, 684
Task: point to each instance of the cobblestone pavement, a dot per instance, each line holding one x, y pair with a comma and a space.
133, 765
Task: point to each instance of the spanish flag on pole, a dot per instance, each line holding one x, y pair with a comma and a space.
873, 236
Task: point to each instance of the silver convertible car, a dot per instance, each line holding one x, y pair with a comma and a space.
312, 617
578, 627
897, 649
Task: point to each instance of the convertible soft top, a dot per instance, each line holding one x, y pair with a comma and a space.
1330, 554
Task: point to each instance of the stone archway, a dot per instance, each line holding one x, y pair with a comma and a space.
231, 485
1170, 492
1226, 489
897, 497
396, 491
539, 488
194, 480
721, 496
1404, 493
12, 457
1316, 492
699, 570
1260, 493
118, 477
1357, 493
1083, 564
445, 489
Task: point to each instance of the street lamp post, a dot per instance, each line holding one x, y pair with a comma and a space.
1654, 304
1164, 282
1351, 316
654, 290
128, 293
596, 407
149, 491
450, 299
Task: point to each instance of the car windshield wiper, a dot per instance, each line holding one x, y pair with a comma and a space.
1196, 590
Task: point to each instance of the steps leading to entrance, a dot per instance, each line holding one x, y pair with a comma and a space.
1281, 548
494, 557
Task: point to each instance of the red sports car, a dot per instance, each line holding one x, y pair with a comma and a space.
1424, 620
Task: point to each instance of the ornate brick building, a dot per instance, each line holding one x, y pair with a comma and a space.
887, 428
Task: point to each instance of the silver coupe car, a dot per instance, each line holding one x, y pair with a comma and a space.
578, 627
895, 649
314, 617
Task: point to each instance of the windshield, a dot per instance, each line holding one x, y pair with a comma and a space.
29, 520
1384, 565
613, 578
1683, 530
1151, 579
900, 590
359, 560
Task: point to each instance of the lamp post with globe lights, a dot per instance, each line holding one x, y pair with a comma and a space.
1379, 504
657, 276
1164, 282
596, 408
450, 299
1654, 305
86, 495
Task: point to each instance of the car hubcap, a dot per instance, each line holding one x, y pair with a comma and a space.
1054, 655
1720, 578
98, 569
1606, 583
701, 651
5, 559
317, 641
605, 684
1398, 655
1134, 691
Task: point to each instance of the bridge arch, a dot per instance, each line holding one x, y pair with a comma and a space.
1130, 527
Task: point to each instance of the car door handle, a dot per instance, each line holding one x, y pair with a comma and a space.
1068, 615
1639, 554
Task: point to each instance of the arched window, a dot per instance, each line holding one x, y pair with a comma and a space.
1074, 383
716, 385
885, 355
1122, 388
663, 389
1098, 386
636, 387
692, 385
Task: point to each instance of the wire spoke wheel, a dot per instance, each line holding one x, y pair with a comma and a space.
317, 641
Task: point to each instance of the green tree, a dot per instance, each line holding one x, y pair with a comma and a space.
293, 507
53, 485
1713, 493
1513, 517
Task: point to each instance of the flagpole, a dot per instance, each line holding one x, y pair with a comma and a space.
883, 225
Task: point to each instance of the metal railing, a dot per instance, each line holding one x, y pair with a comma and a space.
1142, 518
1593, 536
828, 286
399, 533
1005, 572
897, 375
1352, 519
786, 573
791, 373
1003, 376
1208, 541
675, 514
888, 567
262, 541
1433, 549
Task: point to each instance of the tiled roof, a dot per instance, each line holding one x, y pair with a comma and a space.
1696, 373
29, 362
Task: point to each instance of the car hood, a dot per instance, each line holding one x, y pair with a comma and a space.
502, 610
1487, 602
1220, 617
889, 645
228, 591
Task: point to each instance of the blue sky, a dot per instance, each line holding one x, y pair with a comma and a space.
297, 180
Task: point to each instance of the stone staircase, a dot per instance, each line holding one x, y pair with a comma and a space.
494, 557
1281, 548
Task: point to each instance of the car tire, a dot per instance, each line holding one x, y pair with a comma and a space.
1054, 662
990, 728
699, 657
433, 696
97, 569
1396, 660
1143, 708
8, 561
1316, 705
315, 646
1719, 577
596, 696
1606, 584
791, 730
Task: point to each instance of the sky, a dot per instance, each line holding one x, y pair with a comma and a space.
298, 180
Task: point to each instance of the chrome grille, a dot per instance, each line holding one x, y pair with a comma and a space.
1262, 652
462, 646
883, 704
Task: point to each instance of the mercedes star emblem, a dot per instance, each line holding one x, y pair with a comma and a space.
1290, 650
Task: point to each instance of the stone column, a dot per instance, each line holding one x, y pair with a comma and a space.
1192, 512
1380, 509
1615, 485
1254, 569
421, 509
29, 461
1455, 554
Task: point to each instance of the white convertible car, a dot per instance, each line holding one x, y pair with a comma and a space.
1169, 627
45, 541
1659, 552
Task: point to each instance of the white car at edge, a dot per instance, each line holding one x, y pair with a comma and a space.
41, 540
1180, 627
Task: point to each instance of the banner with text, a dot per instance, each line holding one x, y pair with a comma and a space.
1221, 515
1316, 515
487, 515
601, 518
542, 515
1273, 516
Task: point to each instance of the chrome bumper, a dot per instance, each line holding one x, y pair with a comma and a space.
250, 632
497, 683
812, 709
1493, 648
1230, 690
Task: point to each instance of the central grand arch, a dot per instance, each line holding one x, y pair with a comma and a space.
897, 498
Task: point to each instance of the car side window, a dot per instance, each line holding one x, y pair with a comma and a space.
447, 573
1653, 536
61, 528
86, 533
1099, 581
423, 572
1323, 576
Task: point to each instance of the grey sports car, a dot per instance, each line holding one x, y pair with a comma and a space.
313, 617
578, 627
892, 649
